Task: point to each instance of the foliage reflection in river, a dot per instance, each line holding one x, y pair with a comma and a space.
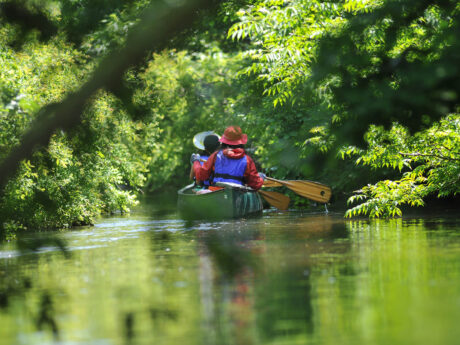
281, 279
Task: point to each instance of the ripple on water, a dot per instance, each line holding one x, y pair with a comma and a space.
134, 222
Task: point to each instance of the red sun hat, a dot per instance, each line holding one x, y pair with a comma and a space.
233, 135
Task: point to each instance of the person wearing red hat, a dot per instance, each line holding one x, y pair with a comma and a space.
230, 163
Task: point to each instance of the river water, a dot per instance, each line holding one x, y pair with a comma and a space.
283, 278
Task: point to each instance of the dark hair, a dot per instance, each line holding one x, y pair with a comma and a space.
225, 146
211, 143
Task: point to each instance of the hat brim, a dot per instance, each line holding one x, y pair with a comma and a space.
243, 140
198, 139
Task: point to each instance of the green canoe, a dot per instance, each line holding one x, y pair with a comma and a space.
233, 201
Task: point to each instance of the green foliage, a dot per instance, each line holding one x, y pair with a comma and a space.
112, 30
429, 162
285, 36
105, 160
185, 94
392, 65
292, 120
83, 17
309, 82
335, 69
73, 179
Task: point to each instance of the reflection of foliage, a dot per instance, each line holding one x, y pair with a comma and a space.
230, 256
284, 300
46, 316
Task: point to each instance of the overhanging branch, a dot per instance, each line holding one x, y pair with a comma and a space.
160, 22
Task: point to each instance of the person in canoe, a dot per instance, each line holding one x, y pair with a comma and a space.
230, 163
208, 142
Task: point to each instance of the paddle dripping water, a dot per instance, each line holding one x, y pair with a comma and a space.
283, 278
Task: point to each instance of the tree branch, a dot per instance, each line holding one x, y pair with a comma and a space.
160, 22
418, 154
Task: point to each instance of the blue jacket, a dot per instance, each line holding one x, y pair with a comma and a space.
202, 160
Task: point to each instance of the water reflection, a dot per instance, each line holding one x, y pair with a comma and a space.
46, 315
251, 290
284, 278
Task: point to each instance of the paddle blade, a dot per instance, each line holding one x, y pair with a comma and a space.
275, 199
311, 190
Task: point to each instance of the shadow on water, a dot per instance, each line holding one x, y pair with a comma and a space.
129, 327
46, 316
39, 242
12, 286
16, 282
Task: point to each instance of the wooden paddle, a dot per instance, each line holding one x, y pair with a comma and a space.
311, 190
271, 184
278, 200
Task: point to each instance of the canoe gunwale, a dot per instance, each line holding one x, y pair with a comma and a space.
231, 186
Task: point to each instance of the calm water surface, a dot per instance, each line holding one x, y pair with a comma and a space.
284, 278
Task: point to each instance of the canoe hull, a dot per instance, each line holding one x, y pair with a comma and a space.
225, 203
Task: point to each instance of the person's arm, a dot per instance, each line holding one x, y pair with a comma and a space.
251, 175
203, 172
